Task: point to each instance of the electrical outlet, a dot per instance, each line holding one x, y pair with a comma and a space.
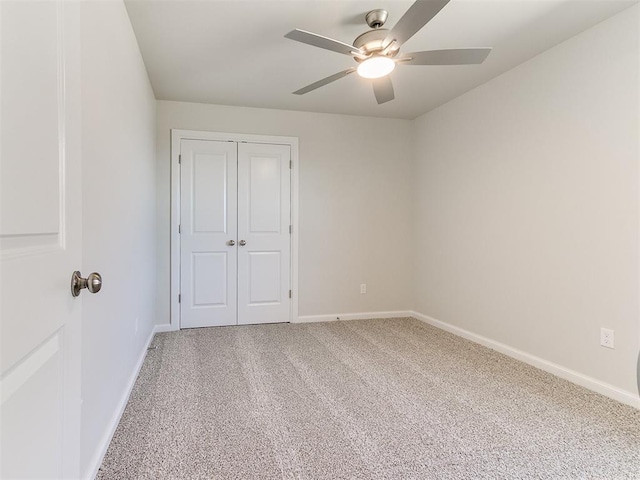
363, 288
606, 337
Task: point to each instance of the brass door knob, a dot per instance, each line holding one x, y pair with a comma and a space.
93, 283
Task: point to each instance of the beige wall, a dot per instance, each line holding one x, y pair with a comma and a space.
353, 203
118, 221
526, 205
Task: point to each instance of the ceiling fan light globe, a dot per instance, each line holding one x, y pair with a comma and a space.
376, 67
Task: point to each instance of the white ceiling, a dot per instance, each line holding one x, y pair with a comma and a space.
233, 52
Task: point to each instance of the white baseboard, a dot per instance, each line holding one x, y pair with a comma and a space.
351, 316
92, 471
165, 327
623, 396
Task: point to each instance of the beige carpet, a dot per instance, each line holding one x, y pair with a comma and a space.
389, 399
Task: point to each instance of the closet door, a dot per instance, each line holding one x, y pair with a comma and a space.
208, 233
264, 241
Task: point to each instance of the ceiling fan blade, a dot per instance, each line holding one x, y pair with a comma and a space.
454, 56
322, 42
383, 89
414, 19
324, 81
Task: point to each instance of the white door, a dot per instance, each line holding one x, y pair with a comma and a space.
264, 246
208, 231
235, 242
40, 234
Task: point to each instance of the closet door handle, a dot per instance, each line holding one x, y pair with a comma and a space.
242, 243
231, 243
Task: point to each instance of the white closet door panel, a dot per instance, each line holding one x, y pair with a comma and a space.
264, 212
265, 278
265, 208
210, 190
208, 203
210, 273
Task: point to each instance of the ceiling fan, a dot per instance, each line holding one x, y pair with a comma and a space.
377, 51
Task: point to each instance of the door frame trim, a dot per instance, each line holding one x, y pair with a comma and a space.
177, 135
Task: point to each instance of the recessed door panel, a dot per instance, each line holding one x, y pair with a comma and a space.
265, 275
208, 253
30, 424
265, 206
210, 191
30, 72
209, 279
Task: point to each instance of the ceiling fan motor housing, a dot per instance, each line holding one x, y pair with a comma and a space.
373, 42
